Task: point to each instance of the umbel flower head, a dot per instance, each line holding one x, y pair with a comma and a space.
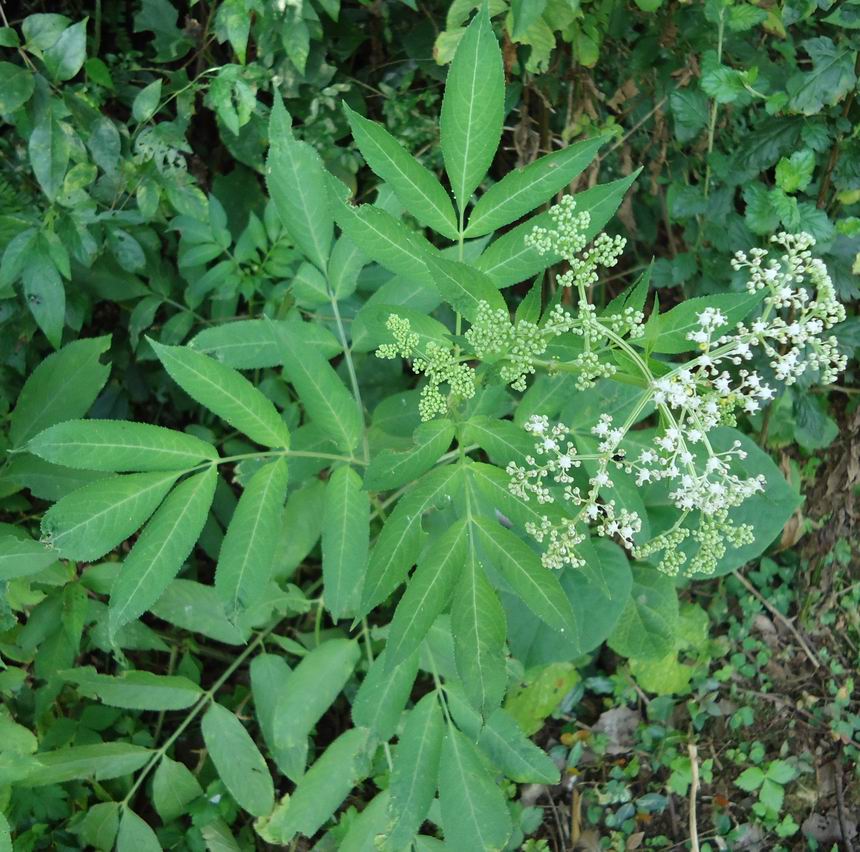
692, 399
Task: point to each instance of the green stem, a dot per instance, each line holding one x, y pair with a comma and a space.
203, 702
712, 119
350, 367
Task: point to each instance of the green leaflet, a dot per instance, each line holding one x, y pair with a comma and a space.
417, 188
464, 287
135, 690
318, 795
117, 445
508, 260
415, 772
21, 557
479, 628
238, 760
521, 190
226, 393
99, 826
392, 468
269, 677
474, 812
364, 829
94, 519
427, 593
514, 753
383, 694
135, 835
326, 399
62, 387
398, 544
472, 108
245, 561
670, 330
502, 440
647, 626
161, 548
345, 541
346, 262
174, 787
382, 237
101, 761
314, 684
251, 345
297, 183
522, 570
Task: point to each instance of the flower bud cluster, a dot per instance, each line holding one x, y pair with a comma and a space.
439, 365
493, 336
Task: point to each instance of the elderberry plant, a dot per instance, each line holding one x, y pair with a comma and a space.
423, 557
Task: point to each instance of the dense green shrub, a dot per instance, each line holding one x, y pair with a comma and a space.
225, 602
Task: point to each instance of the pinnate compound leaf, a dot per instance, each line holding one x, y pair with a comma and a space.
399, 542
393, 468
479, 628
328, 403
415, 771
383, 694
474, 812
174, 787
245, 561
62, 387
135, 834
415, 186
238, 761
521, 190
514, 753
297, 184
473, 107
226, 393
134, 690
118, 445
345, 541
521, 568
314, 684
161, 548
464, 287
94, 519
318, 795
427, 593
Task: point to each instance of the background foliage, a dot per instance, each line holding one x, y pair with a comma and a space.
137, 214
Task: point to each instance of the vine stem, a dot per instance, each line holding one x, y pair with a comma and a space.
694, 792
203, 702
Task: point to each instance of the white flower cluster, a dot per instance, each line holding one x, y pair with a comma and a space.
692, 399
